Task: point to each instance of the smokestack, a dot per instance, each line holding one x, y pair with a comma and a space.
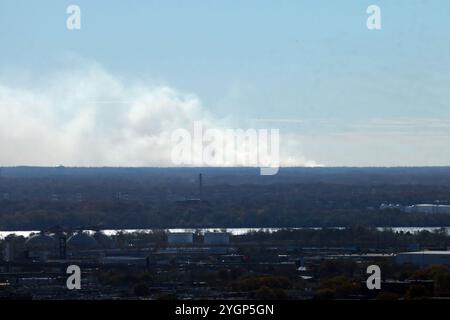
200, 185
62, 246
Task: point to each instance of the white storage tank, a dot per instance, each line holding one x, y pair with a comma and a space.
217, 238
180, 237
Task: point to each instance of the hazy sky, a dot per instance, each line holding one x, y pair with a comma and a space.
111, 93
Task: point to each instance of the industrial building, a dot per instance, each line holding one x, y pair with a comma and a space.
217, 238
180, 238
418, 208
194, 265
423, 258
428, 208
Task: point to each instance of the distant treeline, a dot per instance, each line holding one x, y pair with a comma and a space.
38, 198
355, 237
340, 175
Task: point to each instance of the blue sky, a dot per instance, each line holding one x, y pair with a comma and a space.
351, 96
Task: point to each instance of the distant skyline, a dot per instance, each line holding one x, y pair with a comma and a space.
111, 93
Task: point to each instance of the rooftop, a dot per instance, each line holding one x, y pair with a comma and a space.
428, 252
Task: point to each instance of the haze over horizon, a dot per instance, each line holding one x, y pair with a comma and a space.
112, 93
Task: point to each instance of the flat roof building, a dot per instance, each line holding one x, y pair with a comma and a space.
428, 209
217, 238
424, 258
180, 237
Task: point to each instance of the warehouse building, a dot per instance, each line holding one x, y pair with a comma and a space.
424, 258
217, 238
180, 238
428, 209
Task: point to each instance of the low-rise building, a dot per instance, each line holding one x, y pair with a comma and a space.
428, 209
424, 258
180, 238
217, 238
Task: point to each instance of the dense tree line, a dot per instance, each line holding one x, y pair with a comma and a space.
152, 198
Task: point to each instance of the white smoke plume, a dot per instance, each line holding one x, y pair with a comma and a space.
93, 118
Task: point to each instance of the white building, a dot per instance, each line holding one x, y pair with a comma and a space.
217, 238
180, 237
428, 209
424, 258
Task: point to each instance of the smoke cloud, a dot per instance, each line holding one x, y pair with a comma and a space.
93, 118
